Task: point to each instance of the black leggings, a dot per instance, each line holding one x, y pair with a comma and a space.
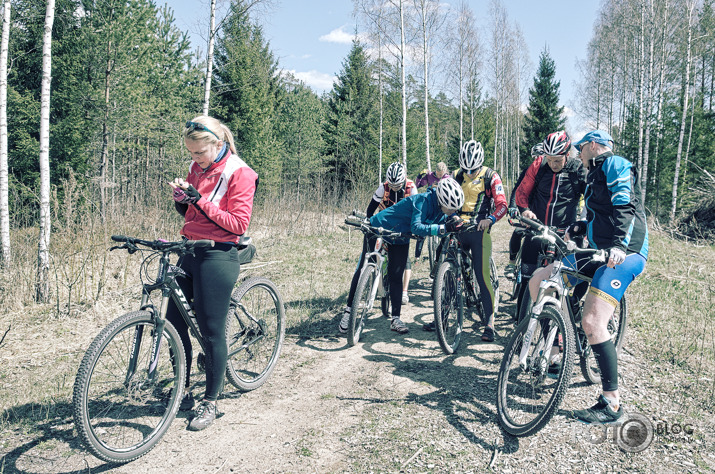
212, 274
396, 263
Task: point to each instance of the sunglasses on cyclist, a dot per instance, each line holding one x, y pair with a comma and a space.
195, 126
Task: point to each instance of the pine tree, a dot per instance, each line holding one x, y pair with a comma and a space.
543, 115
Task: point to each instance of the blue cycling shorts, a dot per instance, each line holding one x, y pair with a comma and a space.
609, 284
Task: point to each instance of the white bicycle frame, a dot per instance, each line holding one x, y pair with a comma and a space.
377, 285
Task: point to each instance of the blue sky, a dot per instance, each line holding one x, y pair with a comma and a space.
311, 38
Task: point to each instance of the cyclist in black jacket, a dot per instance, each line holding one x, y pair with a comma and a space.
550, 191
518, 234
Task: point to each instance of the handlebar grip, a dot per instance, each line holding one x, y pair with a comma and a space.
359, 214
120, 238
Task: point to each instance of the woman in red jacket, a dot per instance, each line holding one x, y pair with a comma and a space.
216, 200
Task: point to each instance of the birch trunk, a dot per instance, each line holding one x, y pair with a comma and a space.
42, 289
4, 185
210, 58
404, 84
686, 97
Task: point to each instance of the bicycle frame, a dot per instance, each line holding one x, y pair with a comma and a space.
378, 254
166, 283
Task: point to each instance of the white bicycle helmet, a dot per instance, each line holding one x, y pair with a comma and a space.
450, 194
557, 143
471, 156
538, 149
396, 175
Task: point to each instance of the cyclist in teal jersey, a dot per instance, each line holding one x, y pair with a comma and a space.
422, 214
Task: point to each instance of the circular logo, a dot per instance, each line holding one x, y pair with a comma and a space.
616, 284
635, 434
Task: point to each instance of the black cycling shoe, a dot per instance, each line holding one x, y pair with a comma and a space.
601, 413
429, 327
187, 403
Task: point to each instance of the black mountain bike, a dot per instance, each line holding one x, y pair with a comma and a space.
373, 281
536, 369
456, 286
131, 380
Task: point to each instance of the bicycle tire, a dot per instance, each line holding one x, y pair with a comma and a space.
361, 303
524, 309
254, 344
617, 327
528, 399
121, 417
448, 308
432, 243
385, 302
495, 284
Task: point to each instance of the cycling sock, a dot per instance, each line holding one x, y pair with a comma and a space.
607, 360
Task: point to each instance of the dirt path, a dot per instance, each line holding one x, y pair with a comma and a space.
391, 403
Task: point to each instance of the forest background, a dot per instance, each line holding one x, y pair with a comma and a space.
419, 82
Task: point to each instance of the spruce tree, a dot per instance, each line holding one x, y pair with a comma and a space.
544, 115
352, 122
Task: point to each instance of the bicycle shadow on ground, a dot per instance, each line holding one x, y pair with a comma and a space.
463, 393
47, 443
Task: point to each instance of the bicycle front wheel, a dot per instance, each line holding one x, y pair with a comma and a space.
255, 328
617, 329
121, 407
432, 243
362, 303
448, 308
529, 390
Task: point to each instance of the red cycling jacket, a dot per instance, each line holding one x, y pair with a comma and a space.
224, 210
553, 197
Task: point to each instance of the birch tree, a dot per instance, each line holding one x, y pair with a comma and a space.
4, 184
210, 57
42, 292
431, 20
690, 5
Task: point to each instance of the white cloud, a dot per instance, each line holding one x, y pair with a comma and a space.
339, 36
318, 81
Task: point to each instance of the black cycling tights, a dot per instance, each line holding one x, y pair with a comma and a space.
396, 263
212, 274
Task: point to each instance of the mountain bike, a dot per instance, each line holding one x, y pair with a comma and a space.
432, 245
536, 369
131, 379
454, 284
373, 282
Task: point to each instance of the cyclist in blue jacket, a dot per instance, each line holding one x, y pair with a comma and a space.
616, 222
422, 214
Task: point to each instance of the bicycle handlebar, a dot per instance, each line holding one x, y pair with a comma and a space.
363, 224
184, 246
547, 234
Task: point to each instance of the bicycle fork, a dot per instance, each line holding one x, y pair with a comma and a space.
544, 344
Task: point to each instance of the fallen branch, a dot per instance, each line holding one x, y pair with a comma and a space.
411, 458
5, 334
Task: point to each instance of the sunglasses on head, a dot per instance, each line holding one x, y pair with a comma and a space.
195, 126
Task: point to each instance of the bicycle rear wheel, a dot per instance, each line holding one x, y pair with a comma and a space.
255, 328
362, 304
527, 395
495, 284
448, 308
122, 410
617, 328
